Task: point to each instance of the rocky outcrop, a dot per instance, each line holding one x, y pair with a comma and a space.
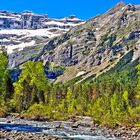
71, 49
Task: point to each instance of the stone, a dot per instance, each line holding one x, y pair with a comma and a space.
8, 121
75, 125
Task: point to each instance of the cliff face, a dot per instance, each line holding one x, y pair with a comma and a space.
97, 45
29, 20
20, 30
24, 34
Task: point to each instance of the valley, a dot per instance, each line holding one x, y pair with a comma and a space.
67, 78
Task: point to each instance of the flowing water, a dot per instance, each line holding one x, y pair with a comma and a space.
54, 129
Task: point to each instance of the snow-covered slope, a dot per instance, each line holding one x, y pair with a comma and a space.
20, 30
17, 39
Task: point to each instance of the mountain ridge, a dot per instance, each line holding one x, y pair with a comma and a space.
28, 27
96, 45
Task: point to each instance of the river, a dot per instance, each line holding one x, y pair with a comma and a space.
60, 129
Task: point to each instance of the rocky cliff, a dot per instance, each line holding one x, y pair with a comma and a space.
96, 46
19, 30
30, 20
24, 34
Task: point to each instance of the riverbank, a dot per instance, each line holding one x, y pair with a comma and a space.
84, 128
17, 135
121, 132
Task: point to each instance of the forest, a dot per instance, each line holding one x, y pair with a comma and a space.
111, 99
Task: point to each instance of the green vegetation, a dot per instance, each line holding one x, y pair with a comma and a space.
107, 40
74, 80
111, 99
52, 67
30, 87
6, 87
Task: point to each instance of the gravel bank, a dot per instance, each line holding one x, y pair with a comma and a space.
15, 135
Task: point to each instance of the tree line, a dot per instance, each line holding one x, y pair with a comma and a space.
111, 99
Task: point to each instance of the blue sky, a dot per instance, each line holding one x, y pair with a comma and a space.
83, 9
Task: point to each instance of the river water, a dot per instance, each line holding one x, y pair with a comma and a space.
61, 129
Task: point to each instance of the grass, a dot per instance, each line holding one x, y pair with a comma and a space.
89, 78
137, 124
74, 80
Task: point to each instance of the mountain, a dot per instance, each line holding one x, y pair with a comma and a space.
29, 31
90, 49
70, 48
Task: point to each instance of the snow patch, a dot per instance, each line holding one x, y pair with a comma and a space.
80, 73
25, 33
28, 33
11, 48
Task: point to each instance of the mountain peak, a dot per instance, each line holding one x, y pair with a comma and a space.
27, 11
121, 3
117, 7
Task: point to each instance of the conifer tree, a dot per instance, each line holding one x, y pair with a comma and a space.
30, 87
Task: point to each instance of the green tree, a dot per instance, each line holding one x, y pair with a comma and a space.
31, 85
5, 81
126, 101
101, 108
6, 88
138, 84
